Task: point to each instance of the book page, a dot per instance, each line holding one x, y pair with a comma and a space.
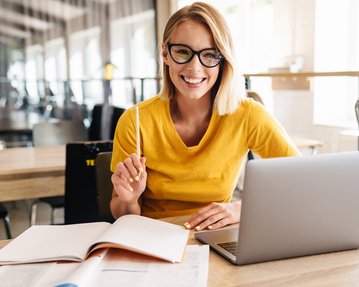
78, 274
42, 243
124, 268
23, 274
148, 236
114, 267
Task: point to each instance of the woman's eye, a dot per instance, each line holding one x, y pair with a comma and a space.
182, 51
210, 55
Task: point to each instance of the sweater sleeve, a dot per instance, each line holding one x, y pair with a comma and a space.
124, 142
266, 136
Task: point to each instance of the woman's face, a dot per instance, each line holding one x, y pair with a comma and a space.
192, 80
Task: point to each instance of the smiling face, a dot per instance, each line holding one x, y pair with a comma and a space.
192, 80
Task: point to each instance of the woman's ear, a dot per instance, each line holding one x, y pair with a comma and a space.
165, 53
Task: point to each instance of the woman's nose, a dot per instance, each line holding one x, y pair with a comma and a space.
195, 63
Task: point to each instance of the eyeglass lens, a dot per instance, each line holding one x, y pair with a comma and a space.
182, 54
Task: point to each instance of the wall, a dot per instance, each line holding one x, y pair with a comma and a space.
294, 37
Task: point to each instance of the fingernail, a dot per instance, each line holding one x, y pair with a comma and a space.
141, 169
198, 227
137, 178
209, 227
131, 189
131, 179
187, 225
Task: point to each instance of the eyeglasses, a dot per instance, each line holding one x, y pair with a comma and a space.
183, 54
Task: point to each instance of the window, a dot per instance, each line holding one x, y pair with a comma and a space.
55, 68
336, 49
85, 66
134, 55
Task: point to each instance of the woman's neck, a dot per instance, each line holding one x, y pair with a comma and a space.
191, 111
191, 118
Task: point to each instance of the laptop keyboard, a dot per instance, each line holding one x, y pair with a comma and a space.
231, 246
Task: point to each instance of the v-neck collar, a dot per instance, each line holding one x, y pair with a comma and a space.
177, 137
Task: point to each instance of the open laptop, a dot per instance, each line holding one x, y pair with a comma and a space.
291, 207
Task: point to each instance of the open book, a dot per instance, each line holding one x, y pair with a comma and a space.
75, 242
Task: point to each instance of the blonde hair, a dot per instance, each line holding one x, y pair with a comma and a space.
229, 87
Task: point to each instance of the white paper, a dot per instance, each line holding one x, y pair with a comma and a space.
123, 269
23, 274
114, 267
152, 237
42, 243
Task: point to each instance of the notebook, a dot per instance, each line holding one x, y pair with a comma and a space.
293, 207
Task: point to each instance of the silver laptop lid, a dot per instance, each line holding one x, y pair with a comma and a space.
299, 206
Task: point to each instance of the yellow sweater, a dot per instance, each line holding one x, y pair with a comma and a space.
183, 179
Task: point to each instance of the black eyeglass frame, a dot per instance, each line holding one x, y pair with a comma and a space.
194, 52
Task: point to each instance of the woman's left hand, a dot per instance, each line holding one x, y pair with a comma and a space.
214, 216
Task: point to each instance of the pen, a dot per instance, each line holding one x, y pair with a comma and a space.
138, 138
138, 132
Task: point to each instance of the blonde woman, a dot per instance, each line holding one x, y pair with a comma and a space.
196, 133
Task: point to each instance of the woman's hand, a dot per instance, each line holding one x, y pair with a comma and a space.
129, 178
215, 215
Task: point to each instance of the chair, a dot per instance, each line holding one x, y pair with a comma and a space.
104, 185
113, 114
3, 211
255, 96
4, 215
81, 194
55, 133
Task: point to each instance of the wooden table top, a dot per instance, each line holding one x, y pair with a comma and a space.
301, 142
26, 162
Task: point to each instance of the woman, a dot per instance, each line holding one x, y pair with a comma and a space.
196, 133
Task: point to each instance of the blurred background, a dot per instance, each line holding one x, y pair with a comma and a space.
59, 58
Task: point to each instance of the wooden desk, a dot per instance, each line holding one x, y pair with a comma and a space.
302, 142
330, 269
352, 133
32, 172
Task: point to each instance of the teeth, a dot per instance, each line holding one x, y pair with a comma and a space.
192, 81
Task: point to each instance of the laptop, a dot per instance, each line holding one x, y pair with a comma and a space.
291, 207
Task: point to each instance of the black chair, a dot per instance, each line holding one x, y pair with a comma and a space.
104, 185
5, 217
95, 130
55, 133
81, 198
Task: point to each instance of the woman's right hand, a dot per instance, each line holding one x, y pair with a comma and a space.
129, 178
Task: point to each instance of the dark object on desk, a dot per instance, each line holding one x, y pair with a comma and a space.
5, 217
95, 130
80, 181
104, 185
55, 133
